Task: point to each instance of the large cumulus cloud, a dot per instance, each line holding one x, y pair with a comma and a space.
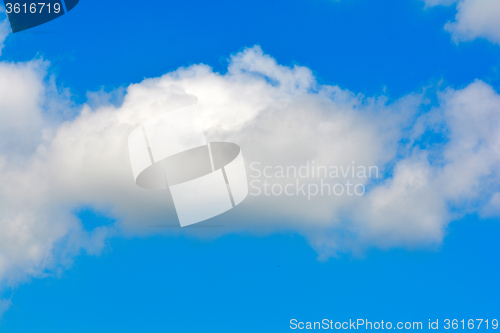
280, 116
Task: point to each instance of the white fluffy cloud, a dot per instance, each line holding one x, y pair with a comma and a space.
37, 236
474, 19
439, 182
279, 116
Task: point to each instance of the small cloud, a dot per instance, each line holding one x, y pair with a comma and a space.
432, 3
4, 28
5, 304
492, 209
474, 19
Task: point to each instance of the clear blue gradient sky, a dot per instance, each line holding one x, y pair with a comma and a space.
245, 283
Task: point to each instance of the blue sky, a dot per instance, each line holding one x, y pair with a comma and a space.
362, 46
247, 281
248, 284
